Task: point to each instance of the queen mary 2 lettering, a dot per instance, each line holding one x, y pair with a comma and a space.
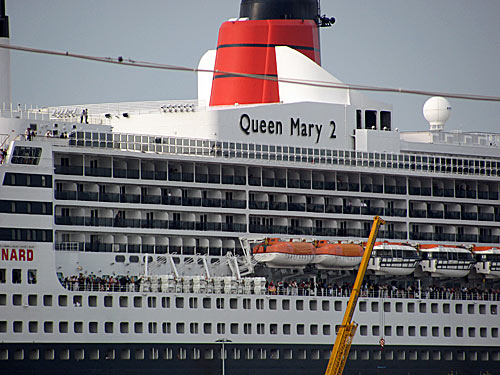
297, 127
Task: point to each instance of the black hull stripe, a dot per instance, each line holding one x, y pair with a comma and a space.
237, 45
186, 364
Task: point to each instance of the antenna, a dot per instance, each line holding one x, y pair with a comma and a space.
4, 21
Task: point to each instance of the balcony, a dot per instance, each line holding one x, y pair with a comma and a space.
98, 172
74, 170
187, 177
254, 181
268, 182
435, 214
201, 178
331, 232
392, 235
174, 176
211, 202
234, 227
87, 196
214, 179
109, 197
228, 180
448, 193
240, 180
204, 226
258, 205
193, 202
466, 237
311, 207
65, 195
329, 185
296, 207
125, 173
171, 200
130, 198
280, 182
307, 231
453, 215
333, 209
402, 190
305, 184
489, 239
444, 237
235, 203
423, 236
486, 217
151, 199
183, 225
154, 224
372, 211
278, 206
295, 184
418, 213
318, 185
469, 216
351, 210
268, 229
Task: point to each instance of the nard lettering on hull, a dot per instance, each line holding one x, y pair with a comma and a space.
17, 255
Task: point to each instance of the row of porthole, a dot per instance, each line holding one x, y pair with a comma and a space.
239, 353
247, 329
272, 304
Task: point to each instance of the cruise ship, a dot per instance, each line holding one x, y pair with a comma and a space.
223, 234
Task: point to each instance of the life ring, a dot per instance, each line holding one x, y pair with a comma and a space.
382, 343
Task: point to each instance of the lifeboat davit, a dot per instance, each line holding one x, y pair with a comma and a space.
393, 259
446, 260
284, 254
487, 261
337, 255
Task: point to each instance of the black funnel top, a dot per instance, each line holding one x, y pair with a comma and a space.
279, 9
4, 21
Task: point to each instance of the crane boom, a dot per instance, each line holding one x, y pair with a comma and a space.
347, 330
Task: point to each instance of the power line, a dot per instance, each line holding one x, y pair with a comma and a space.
324, 84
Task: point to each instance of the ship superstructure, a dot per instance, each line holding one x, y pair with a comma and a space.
139, 236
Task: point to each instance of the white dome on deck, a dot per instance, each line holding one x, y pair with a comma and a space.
437, 111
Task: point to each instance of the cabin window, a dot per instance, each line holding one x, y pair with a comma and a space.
370, 119
385, 120
359, 117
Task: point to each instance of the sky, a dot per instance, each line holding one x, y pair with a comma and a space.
432, 45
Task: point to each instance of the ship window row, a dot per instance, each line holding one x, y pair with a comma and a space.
220, 303
17, 273
25, 234
223, 328
189, 172
26, 155
29, 180
427, 331
241, 352
25, 207
230, 150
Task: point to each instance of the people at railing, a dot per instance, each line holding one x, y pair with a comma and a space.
105, 283
120, 283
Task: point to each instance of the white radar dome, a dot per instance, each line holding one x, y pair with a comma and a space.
437, 111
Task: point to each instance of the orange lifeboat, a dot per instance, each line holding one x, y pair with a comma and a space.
284, 254
337, 255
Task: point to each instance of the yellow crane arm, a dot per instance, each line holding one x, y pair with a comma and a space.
347, 330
